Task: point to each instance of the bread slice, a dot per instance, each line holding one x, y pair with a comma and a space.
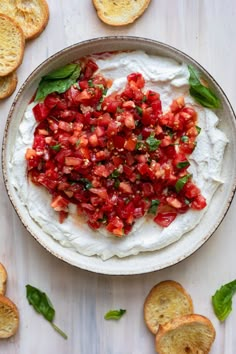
120, 12
190, 334
32, 16
9, 317
166, 300
7, 87
3, 277
12, 44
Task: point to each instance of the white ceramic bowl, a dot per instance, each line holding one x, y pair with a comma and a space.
143, 262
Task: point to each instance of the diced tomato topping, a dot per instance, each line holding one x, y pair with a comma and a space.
165, 219
116, 157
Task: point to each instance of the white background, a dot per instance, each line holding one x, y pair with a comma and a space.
206, 31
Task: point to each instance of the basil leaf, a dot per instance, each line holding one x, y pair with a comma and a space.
152, 142
117, 183
154, 206
181, 182
47, 86
222, 300
86, 182
61, 73
114, 174
56, 147
90, 83
182, 164
184, 138
114, 314
139, 110
42, 304
201, 93
198, 129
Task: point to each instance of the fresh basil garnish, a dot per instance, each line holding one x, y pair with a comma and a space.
184, 138
90, 83
152, 142
201, 93
182, 164
198, 129
59, 81
181, 182
154, 206
56, 147
114, 174
114, 314
139, 110
86, 182
42, 304
222, 300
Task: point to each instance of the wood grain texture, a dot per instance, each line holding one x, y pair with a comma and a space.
206, 31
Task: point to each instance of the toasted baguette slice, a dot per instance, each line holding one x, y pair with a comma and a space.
166, 300
7, 87
190, 334
32, 16
12, 42
9, 317
3, 274
120, 12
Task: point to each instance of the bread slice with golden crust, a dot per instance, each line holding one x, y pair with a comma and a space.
9, 317
32, 16
166, 300
12, 43
3, 275
190, 334
120, 12
7, 87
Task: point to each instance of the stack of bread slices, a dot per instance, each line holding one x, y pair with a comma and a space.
9, 315
169, 315
19, 21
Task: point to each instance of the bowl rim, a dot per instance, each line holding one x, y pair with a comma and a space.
59, 53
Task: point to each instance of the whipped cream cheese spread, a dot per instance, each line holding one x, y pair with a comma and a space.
170, 79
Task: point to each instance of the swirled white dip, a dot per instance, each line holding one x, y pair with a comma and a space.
170, 79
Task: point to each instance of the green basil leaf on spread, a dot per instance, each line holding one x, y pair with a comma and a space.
114, 314
154, 206
58, 81
184, 138
181, 182
42, 304
56, 147
114, 174
152, 142
182, 164
222, 300
202, 94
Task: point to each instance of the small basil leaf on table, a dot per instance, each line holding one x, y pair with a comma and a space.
114, 314
202, 94
42, 304
222, 300
58, 81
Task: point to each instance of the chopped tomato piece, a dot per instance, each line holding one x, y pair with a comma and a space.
165, 219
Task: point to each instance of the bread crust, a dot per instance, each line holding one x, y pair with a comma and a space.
3, 278
193, 334
12, 45
119, 13
31, 16
7, 87
166, 300
9, 317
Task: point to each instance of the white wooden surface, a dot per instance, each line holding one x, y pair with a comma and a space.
206, 31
